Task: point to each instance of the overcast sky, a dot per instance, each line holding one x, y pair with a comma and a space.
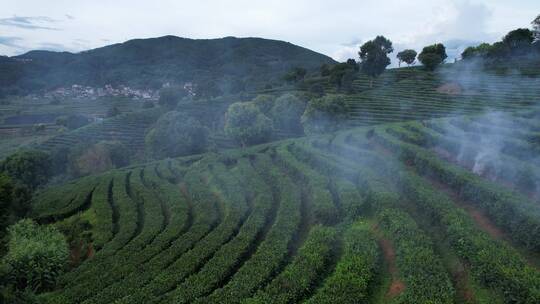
333, 27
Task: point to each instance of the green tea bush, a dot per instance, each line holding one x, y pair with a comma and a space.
36, 256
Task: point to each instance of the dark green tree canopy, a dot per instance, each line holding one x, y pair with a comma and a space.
295, 75
176, 134
286, 113
31, 168
374, 56
353, 64
170, 96
536, 27
519, 41
247, 124
476, 51
324, 114
433, 55
498, 50
408, 56
264, 102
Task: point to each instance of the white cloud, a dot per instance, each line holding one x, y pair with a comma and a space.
334, 27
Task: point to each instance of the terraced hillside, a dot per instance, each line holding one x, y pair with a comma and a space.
414, 95
129, 128
19, 118
437, 211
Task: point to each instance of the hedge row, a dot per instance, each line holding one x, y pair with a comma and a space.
355, 271
103, 229
151, 221
237, 210
297, 280
510, 210
273, 251
233, 254
425, 278
321, 201
351, 202
60, 202
205, 217
493, 262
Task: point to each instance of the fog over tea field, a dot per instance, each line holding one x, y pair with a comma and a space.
164, 167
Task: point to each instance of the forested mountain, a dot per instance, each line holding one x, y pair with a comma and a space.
230, 63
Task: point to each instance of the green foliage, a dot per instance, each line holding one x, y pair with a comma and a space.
355, 271
113, 112
479, 51
298, 278
170, 96
433, 55
536, 27
31, 168
519, 40
295, 75
374, 56
264, 103
325, 70
14, 200
325, 114
72, 121
287, 112
176, 134
36, 256
247, 124
407, 56
149, 63
342, 74
86, 159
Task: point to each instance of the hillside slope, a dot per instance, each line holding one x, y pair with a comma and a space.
449, 206
231, 62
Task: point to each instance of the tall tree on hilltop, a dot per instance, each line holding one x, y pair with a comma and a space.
407, 56
536, 28
433, 55
374, 56
519, 40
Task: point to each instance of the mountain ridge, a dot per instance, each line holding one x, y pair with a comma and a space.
240, 63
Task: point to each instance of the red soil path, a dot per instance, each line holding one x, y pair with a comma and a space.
397, 286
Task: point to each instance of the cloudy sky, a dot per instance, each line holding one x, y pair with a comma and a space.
335, 28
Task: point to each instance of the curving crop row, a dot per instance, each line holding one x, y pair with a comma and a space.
322, 205
238, 209
493, 263
273, 251
510, 210
355, 271
231, 256
205, 217
297, 280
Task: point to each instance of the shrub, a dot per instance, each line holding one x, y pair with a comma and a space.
287, 112
36, 256
13, 202
264, 103
72, 121
100, 157
247, 124
324, 114
32, 168
170, 96
176, 134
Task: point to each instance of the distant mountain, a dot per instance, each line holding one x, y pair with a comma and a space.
231, 63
